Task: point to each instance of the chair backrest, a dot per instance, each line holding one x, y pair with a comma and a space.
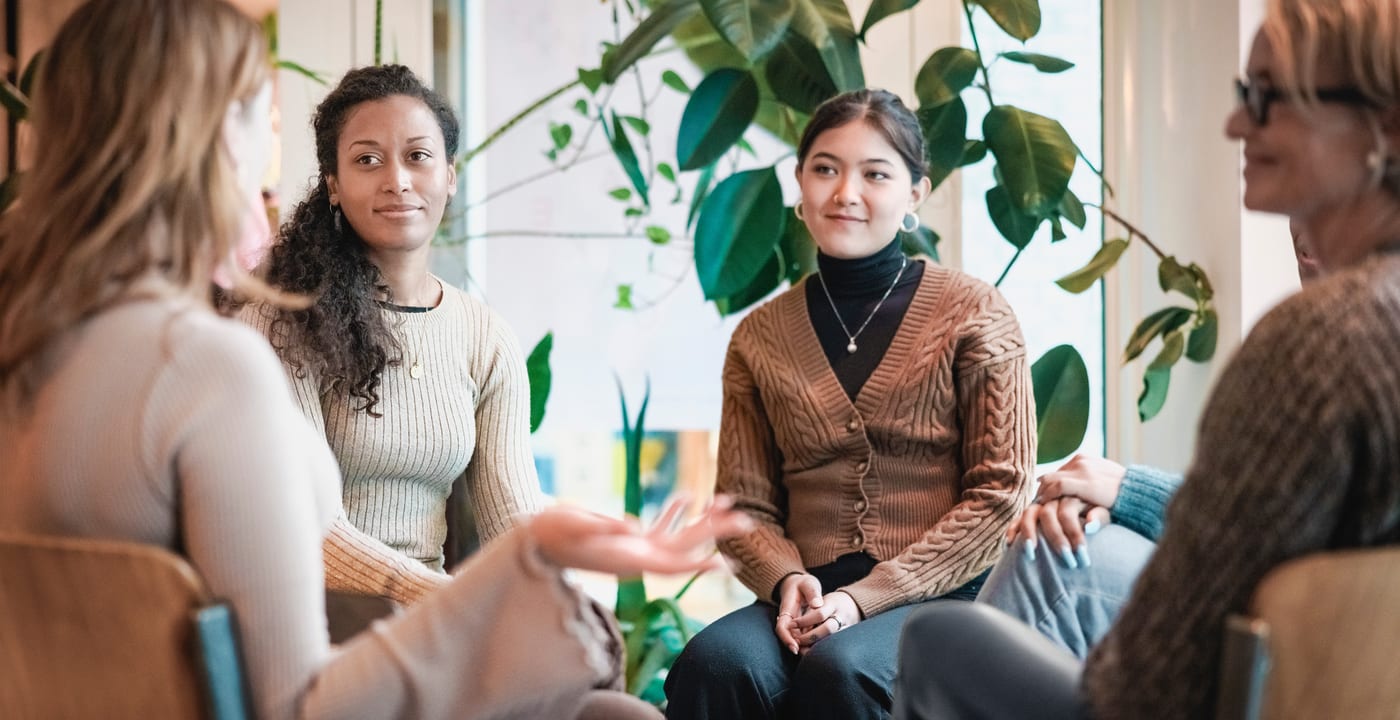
1322, 641
96, 628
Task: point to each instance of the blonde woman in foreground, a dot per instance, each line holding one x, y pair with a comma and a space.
129, 410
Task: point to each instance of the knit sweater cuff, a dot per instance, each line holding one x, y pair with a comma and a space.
1143, 498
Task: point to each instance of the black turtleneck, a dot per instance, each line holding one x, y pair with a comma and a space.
856, 286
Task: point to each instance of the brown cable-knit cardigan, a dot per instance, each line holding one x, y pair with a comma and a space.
924, 471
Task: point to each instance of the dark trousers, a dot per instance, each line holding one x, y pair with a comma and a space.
735, 669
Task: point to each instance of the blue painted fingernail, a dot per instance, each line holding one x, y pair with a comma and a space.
1068, 558
1029, 556
1082, 554
1092, 527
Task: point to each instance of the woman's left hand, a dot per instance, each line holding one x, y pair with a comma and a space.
838, 611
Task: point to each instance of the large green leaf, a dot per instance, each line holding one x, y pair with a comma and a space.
739, 226
718, 113
944, 75
1154, 393
1019, 18
923, 241
541, 377
796, 75
881, 9
697, 197
662, 20
1158, 323
769, 277
827, 25
1103, 261
1035, 155
1072, 209
1043, 63
754, 27
1061, 383
945, 138
798, 249
1201, 346
1017, 227
627, 157
1172, 276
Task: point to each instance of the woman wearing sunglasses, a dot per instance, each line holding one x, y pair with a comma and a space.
1299, 446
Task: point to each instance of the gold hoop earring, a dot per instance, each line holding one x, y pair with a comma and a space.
906, 227
797, 210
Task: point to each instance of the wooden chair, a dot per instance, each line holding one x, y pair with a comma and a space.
1322, 641
95, 628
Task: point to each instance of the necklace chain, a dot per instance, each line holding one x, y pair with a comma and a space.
851, 336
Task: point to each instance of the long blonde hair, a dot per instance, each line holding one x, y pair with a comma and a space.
132, 177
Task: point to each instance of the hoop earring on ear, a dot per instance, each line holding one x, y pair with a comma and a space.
797, 210
906, 227
336, 217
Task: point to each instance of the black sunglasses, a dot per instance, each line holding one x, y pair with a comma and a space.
1256, 100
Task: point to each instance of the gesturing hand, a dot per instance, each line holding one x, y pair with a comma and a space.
837, 611
570, 537
796, 595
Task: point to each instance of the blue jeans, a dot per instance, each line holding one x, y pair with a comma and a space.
1072, 607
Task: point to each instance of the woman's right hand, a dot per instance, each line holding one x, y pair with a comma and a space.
1072, 502
797, 593
571, 537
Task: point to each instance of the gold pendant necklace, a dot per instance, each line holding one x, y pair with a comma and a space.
850, 336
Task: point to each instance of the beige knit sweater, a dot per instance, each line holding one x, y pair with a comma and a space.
161, 423
923, 471
467, 416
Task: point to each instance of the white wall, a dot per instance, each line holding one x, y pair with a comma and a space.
1168, 67
330, 37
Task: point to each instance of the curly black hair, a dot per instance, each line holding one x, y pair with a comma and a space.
343, 337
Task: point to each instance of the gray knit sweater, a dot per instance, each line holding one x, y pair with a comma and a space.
1298, 452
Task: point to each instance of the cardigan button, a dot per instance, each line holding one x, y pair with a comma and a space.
860, 506
856, 541
853, 425
861, 466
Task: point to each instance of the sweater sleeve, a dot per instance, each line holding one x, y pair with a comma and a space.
997, 408
1288, 432
501, 478
749, 471
1143, 498
256, 488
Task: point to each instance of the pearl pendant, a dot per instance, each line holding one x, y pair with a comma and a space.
416, 371
851, 347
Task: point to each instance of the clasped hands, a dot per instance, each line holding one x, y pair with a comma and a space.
806, 616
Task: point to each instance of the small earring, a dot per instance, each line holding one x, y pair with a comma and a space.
797, 210
907, 227
336, 217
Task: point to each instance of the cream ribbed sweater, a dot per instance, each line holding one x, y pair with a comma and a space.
924, 470
468, 416
158, 412
1298, 452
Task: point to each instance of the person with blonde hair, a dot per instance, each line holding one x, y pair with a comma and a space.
1297, 450
129, 410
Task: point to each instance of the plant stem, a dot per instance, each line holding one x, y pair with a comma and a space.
1132, 230
1014, 258
532, 179
503, 129
977, 47
378, 30
690, 582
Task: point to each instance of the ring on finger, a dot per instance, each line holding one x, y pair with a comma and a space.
839, 625
785, 615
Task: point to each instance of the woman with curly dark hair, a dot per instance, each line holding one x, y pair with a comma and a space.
414, 383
